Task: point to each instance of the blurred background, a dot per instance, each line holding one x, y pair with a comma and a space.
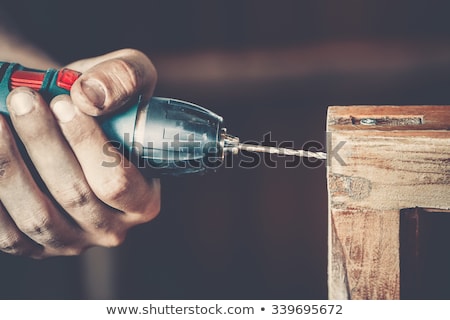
265, 66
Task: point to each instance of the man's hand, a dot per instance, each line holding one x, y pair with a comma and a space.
83, 203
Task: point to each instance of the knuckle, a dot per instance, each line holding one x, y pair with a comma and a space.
12, 244
114, 189
142, 66
127, 75
134, 55
36, 225
42, 229
6, 168
76, 196
109, 235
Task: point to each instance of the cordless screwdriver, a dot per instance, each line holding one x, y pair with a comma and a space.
162, 136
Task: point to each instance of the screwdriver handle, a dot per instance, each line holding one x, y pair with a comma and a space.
49, 83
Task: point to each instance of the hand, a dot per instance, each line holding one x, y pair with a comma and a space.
83, 203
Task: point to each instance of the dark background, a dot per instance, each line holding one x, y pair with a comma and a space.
265, 66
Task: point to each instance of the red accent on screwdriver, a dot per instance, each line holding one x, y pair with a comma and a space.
34, 79
28, 79
66, 78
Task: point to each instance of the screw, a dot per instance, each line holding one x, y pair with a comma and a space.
368, 122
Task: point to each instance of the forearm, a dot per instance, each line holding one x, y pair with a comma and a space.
15, 48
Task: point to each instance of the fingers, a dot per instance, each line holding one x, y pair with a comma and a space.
61, 172
89, 202
13, 241
110, 81
29, 209
121, 185
102, 202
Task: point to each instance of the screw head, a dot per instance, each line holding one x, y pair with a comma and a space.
368, 122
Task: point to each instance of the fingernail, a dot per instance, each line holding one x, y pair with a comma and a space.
63, 110
22, 102
94, 91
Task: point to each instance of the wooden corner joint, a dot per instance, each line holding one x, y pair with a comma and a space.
389, 158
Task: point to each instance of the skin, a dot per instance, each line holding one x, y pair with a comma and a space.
83, 203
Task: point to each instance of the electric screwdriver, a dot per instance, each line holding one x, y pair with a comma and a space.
162, 136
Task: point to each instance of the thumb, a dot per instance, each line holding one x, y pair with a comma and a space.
111, 81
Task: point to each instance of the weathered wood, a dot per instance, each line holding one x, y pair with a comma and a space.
381, 159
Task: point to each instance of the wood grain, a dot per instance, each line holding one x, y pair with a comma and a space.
375, 171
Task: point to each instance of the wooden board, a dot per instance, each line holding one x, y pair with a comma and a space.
382, 159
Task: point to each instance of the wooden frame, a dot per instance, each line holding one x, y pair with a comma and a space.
381, 159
